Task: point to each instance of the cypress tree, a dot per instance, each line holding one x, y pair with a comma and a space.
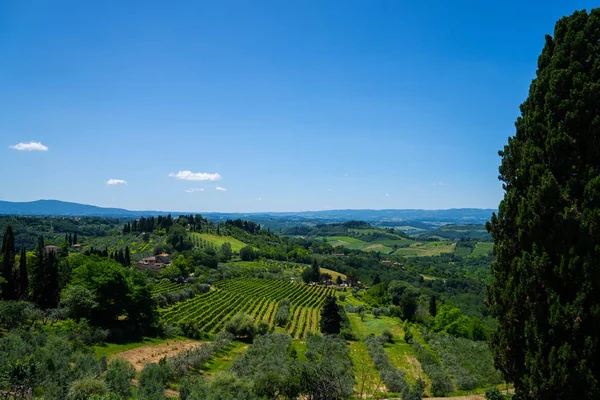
38, 273
50, 288
315, 271
331, 320
127, 259
433, 306
8, 263
75, 238
547, 231
23, 277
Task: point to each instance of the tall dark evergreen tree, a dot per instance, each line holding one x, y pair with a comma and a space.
38, 272
44, 281
331, 320
8, 264
127, 259
547, 230
75, 238
23, 277
432, 306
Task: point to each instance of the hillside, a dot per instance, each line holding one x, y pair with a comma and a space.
382, 280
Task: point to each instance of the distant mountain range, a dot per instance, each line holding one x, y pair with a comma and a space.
384, 217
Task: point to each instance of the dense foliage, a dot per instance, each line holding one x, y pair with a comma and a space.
547, 229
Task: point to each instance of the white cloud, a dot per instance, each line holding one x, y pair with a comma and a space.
387, 195
194, 190
195, 176
31, 146
440, 183
222, 189
259, 199
116, 182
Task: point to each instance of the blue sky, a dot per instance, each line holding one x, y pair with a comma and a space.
287, 105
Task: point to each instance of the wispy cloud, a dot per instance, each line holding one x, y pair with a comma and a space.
31, 146
194, 190
259, 199
440, 183
195, 176
116, 182
222, 189
387, 195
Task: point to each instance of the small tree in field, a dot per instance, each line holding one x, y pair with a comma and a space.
331, 319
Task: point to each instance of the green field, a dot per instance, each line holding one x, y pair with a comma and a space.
236, 245
357, 244
421, 249
482, 249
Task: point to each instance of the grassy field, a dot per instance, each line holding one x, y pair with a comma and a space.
222, 361
345, 241
334, 274
236, 245
422, 249
482, 249
357, 244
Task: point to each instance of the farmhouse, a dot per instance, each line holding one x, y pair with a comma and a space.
155, 263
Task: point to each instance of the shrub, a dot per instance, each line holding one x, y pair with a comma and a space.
283, 312
262, 328
342, 297
493, 394
119, 374
83, 389
387, 336
392, 377
241, 325
441, 384
408, 336
349, 308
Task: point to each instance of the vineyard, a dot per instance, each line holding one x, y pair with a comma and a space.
256, 297
164, 286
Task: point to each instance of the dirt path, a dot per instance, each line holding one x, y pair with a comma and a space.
140, 356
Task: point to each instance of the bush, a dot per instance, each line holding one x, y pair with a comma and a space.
262, 328
441, 385
408, 336
392, 377
493, 394
119, 374
153, 380
83, 389
349, 308
241, 325
342, 297
466, 382
283, 312
387, 336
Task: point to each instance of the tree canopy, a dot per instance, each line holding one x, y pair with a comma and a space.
547, 230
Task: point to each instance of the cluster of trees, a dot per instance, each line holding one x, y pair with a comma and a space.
122, 257
71, 238
55, 230
247, 226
